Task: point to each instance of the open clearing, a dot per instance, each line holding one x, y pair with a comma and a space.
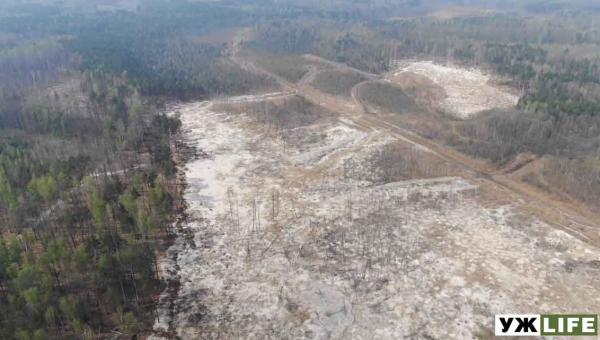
467, 91
294, 239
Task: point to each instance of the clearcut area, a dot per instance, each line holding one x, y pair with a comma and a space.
309, 233
467, 91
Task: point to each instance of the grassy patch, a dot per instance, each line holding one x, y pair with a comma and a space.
291, 68
388, 97
289, 113
336, 82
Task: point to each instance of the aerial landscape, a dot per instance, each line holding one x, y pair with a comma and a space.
278, 169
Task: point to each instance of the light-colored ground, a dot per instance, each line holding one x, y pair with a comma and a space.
293, 243
468, 91
289, 246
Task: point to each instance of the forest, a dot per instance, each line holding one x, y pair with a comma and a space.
90, 192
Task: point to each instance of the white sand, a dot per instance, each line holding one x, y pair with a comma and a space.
468, 90
349, 259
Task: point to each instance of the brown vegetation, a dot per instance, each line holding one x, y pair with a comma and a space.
287, 113
578, 178
388, 98
336, 82
290, 68
425, 92
571, 144
397, 162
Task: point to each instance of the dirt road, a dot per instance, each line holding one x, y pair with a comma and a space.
288, 245
576, 220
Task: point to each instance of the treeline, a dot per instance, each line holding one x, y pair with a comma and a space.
395, 162
288, 113
569, 144
579, 178
332, 42
500, 135
35, 65
81, 225
554, 84
155, 47
88, 185
87, 194
557, 117
337, 83
508, 27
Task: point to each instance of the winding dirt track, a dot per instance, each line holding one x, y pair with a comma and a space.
577, 221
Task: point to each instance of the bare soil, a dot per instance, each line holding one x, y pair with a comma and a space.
292, 245
297, 239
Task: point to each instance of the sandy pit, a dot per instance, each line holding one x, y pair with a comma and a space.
468, 91
287, 246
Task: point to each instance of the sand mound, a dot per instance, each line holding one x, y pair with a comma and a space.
467, 90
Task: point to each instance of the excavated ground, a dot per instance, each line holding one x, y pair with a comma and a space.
296, 239
465, 91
